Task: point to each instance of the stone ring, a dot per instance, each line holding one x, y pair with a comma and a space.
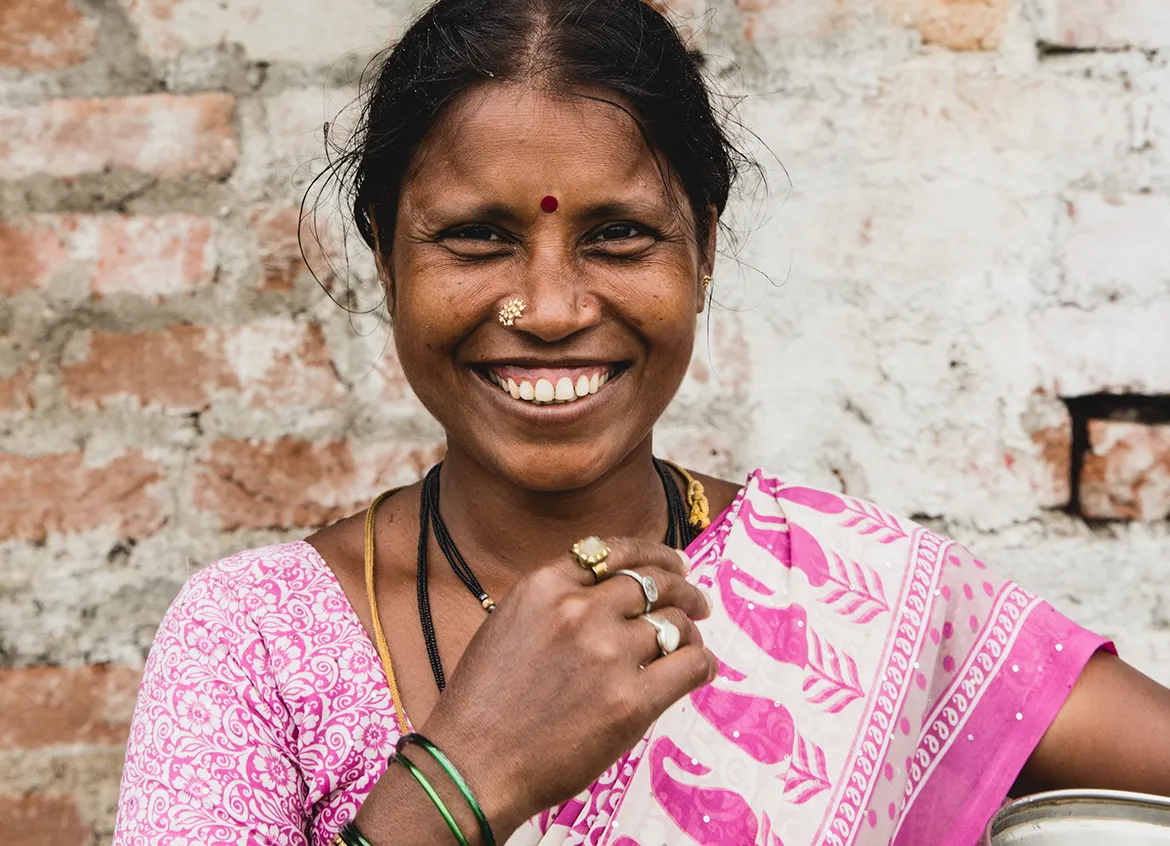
590, 554
648, 585
666, 633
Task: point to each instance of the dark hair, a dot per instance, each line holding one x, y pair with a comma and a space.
623, 46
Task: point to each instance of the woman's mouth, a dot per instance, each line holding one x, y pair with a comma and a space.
550, 385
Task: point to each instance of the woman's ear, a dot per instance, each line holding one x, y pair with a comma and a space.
381, 262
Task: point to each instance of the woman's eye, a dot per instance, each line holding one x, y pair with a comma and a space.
475, 233
620, 232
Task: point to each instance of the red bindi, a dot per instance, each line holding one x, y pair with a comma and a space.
550, 204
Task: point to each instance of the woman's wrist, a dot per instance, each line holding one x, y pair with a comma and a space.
399, 803
488, 777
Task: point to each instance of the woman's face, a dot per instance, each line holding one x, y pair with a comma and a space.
611, 279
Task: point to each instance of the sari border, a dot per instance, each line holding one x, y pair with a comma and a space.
896, 672
944, 725
1059, 649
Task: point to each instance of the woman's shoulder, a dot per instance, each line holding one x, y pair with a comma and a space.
263, 587
296, 561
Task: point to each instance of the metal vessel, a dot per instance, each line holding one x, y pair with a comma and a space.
1082, 818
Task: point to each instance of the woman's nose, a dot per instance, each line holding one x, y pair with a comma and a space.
559, 303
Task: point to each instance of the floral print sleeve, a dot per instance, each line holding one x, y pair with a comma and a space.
211, 757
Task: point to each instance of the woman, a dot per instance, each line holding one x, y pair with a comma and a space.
541, 182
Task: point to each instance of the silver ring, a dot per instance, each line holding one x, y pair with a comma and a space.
666, 633
648, 585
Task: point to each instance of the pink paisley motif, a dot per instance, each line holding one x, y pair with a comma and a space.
781, 632
726, 671
710, 816
759, 726
821, 501
789, 544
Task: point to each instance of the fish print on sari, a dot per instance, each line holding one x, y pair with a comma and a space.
867, 518
761, 727
855, 590
710, 816
780, 632
790, 545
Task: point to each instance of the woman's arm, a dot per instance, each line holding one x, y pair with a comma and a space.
1113, 732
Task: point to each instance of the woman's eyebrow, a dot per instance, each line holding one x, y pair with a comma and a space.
618, 208
509, 214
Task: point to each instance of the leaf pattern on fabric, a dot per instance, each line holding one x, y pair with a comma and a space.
767, 836
832, 681
868, 519
807, 773
858, 593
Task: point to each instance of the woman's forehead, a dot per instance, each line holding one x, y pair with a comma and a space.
514, 139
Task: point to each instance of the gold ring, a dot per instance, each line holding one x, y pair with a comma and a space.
590, 554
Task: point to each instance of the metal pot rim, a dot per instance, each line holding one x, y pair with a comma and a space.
1017, 811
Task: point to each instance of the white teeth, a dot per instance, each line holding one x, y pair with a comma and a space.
565, 390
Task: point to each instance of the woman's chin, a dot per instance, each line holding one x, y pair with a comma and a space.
553, 469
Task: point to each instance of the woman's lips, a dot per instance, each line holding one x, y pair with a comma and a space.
549, 385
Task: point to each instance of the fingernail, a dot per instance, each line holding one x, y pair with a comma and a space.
686, 561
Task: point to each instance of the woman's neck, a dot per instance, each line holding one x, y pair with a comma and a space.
505, 531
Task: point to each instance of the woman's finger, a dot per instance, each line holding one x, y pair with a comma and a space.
668, 679
677, 630
623, 553
628, 591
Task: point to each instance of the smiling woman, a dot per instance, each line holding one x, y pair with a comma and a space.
541, 183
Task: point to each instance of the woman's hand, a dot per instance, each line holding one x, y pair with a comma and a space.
551, 690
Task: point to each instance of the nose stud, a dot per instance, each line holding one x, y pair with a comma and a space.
512, 310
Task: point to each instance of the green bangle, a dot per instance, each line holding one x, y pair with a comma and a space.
443, 761
442, 808
350, 836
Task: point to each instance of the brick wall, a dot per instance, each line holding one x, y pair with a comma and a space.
959, 306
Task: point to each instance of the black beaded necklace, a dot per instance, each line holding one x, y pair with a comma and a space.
677, 527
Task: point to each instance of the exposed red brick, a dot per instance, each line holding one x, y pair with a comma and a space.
273, 362
276, 229
955, 24
57, 706
290, 483
149, 256
1126, 471
166, 135
16, 390
44, 35
42, 821
50, 494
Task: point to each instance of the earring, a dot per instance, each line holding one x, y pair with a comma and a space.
512, 310
706, 283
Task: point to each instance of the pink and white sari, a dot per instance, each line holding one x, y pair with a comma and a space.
879, 685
